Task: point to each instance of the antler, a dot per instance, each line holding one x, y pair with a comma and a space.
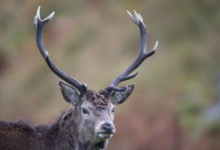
136, 17
39, 23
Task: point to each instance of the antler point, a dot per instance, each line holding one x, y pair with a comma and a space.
47, 53
130, 14
37, 16
38, 13
50, 16
155, 46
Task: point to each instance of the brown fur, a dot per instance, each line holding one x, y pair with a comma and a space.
60, 135
79, 128
22, 135
99, 99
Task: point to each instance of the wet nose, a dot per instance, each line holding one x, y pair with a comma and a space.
108, 127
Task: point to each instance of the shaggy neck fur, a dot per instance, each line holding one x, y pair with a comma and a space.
65, 134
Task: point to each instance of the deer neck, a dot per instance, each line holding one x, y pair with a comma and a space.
68, 137
83, 146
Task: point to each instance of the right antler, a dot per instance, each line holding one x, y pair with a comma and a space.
39, 23
142, 56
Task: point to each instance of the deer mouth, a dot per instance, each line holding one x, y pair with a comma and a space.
105, 135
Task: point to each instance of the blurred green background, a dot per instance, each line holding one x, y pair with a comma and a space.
176, 102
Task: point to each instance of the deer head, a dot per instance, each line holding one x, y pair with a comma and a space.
94, 111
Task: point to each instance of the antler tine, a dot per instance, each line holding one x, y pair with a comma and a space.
39, 23
136, 17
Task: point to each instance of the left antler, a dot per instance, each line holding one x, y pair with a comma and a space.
136, 17
39, 23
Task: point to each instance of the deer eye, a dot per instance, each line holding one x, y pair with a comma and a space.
113, 110
84, 111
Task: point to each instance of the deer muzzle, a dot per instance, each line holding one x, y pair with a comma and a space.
106, 130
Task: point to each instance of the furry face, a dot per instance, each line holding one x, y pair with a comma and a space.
95, 123
94, 111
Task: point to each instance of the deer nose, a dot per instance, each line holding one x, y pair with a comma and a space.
108, 127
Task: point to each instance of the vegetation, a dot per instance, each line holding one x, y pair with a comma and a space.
93, 40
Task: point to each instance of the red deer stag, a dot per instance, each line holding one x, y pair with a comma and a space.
88, 125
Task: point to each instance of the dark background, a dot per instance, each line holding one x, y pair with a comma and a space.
175, 105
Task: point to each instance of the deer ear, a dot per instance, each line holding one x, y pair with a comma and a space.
118, 97
69, 93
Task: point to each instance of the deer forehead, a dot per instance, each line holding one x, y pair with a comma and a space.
97, 109
96, 99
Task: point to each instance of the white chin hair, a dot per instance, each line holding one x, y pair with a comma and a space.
104, 136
